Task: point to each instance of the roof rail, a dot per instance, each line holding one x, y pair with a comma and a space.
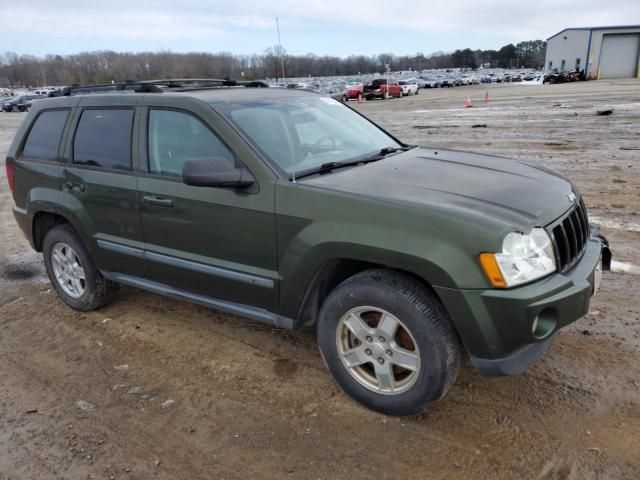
157, 86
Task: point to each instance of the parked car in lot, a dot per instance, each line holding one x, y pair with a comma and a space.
6, 102
470, 79
336, 93
409, 87
430, 82
380, 88
451, 81
21, 103
401, 258
353, 92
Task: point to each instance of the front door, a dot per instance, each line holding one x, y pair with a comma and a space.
218, 242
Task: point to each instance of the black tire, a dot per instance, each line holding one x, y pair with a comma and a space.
418, 308
345, 99
98, 290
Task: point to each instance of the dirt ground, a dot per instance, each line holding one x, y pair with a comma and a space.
151, 387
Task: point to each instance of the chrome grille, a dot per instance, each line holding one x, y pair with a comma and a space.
570, 234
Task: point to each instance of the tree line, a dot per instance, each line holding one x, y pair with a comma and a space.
107, 66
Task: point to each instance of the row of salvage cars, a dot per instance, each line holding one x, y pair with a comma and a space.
383, 88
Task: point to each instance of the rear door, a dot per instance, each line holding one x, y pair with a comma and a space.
219, 242
100, 184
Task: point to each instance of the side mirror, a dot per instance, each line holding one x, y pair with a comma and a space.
215, 172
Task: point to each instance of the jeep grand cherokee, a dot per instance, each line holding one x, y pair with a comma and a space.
293, 209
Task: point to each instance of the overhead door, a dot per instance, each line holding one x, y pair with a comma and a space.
619, 56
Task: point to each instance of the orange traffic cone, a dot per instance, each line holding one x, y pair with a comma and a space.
469, 104
486, 96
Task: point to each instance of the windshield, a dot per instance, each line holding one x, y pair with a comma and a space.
302, 133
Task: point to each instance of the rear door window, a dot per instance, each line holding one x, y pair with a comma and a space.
45, 135
103, 139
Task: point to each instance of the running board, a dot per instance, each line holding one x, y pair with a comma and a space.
240, 309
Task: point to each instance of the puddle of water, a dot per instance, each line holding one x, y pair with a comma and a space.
19, 272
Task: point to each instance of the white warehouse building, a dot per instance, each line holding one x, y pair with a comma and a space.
602, 52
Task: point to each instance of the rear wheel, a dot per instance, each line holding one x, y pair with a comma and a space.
388, 343
72, 272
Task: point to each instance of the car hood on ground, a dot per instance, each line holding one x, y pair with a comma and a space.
511, 191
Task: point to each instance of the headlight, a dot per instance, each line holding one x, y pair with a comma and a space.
524, 258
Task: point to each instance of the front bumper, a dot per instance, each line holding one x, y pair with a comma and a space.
496, 326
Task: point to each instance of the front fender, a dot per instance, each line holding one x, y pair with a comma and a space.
298, 273
316, 226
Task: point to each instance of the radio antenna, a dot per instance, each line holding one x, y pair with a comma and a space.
280, 45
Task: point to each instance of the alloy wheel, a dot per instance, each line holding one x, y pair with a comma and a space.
68, 270
378, 350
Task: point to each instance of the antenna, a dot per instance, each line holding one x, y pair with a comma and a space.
280, 45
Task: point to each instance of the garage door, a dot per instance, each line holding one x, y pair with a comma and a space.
619, 56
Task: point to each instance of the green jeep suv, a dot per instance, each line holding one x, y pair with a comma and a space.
293, 209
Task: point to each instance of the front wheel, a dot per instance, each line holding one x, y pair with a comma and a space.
388, 342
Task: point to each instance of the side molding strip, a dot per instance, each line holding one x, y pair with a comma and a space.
187, 264
258, 314
119, 248
215, 271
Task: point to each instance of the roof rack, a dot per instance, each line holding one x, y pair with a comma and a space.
157, 86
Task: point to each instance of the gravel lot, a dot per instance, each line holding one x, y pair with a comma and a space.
151, 387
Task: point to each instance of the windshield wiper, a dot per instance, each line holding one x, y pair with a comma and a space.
331, 166
389, 150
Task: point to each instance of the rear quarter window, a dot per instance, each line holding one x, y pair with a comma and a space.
44, 137
103, 139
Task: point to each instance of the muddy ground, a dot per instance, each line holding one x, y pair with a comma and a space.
151, 387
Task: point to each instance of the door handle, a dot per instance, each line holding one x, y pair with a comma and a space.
159, 201
74, 187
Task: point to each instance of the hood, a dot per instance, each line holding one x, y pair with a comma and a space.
512, 191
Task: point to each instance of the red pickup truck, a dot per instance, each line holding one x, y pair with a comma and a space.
379, 88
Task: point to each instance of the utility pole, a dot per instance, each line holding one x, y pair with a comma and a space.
280, 45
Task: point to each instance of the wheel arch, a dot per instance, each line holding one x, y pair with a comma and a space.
330, 273
45, 217
43, 222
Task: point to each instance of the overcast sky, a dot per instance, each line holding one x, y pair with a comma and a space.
335, 27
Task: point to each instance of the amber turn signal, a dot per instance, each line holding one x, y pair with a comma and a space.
492, 269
